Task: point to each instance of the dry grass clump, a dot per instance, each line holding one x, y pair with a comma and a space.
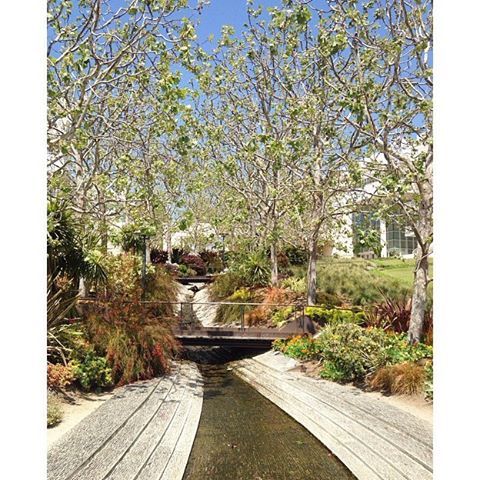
262, 314
54, 410
406, 378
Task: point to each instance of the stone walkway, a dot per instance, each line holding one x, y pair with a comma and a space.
376, 441
144, 432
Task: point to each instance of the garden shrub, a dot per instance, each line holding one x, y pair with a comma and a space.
300, 347
135, 337
272, 296
160, 286
329, 299
240, 295
213, 261
253, 268
394, 315
225, 285
228, 314
92, 372
283, 261
349, 352
54, 410
185, 271
406, 378
296, 255
62, 340
59, 376
177, 253
158, 256
296, 285
280, 317
333, 316
195, 263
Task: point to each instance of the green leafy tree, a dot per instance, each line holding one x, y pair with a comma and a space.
384, 77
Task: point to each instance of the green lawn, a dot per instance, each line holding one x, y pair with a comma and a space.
400, 269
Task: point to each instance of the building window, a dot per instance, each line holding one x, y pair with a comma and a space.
397, 242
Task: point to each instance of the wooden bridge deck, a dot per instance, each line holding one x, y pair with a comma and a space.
247, 337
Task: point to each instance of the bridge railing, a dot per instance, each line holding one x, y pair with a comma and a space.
185, 312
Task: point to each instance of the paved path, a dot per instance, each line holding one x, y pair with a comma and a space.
376, 441
144, 432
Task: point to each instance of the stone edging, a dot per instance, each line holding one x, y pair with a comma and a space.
373, 439
146, 431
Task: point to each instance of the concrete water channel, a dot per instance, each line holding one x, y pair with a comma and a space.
226, 414
243, 436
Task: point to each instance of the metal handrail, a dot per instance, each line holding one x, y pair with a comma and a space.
163, 302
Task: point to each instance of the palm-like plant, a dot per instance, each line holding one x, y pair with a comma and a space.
70, 257
70, 253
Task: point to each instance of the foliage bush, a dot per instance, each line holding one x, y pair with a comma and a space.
253, 268
283, 261
228, 314
213, 261
135, 337
406, 378
69, 253
300, 347
185, 271
61, 304
394, 315
160, 286
59, 376
333, 316
92, 372
296, 255
158, 256
54, 410
349, 352
225, 285
296, 285
281, 316
177, 254
131, 237
195, 263
272, 301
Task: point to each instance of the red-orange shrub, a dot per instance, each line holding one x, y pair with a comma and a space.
59, 376
136, 337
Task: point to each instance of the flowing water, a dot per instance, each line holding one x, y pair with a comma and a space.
244, 436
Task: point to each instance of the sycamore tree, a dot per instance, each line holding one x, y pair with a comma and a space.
277, 133
328, 177
114, 102
384, 75
245, 116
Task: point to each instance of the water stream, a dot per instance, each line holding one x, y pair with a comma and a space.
244, 436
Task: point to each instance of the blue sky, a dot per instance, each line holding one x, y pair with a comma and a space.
226, 12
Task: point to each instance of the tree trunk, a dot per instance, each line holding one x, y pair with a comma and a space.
312, 271
424, 235
274, 264
168, 239
103, 223
419, 298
